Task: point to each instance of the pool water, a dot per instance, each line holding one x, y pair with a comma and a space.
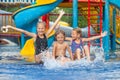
77, 70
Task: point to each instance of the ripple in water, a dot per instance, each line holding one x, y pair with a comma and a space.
97, 69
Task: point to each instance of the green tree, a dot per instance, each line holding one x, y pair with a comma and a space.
82, 21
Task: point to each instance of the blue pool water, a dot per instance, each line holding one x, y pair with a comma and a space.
78, 70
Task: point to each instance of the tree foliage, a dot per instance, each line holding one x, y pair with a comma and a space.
82, 21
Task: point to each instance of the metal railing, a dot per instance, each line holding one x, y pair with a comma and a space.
17, 1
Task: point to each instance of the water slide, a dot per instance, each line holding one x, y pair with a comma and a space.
118, 30
116, 3
27, 18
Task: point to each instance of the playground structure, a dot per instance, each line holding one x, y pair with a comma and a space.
17, 4
6, 19
96, 12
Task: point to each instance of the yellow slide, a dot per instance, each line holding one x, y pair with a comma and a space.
117, 25
43, 2
117, 41
118, 30
28, 50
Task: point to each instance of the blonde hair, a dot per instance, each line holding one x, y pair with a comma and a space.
58, 32
78, 30
42, 23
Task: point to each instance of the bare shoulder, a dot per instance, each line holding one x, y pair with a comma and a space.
35, 37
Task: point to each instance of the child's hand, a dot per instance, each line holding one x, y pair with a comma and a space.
61, 12
104, 34
4, 29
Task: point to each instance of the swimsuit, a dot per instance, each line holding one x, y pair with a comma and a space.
40, 44
59, 56
76, 46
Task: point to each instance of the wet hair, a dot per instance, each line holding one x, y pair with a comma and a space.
78, 30
43, 23
58, 32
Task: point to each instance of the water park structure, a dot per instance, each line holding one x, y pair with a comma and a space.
96, 12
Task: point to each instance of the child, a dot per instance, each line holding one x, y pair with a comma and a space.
40, 38
77, 44
60, 47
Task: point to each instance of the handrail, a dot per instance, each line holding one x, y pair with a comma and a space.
17, 1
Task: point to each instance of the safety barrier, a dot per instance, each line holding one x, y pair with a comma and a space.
17, 1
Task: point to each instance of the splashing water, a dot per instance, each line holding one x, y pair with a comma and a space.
48, 60
51, 63
99, 53
97, 69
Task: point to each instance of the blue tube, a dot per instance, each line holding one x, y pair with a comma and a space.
75, 13
106, 43
113, 39
22, 40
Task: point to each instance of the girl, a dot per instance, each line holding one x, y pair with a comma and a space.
60, 47
40, 38
77, 43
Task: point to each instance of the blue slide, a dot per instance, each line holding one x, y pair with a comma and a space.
116, 3
27, 17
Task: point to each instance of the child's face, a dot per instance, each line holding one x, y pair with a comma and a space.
75, 35
60, 38
41, 29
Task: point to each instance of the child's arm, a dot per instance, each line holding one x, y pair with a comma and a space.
95, 37
22, 31
54, 50
70, 52
68, 38
56, 22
